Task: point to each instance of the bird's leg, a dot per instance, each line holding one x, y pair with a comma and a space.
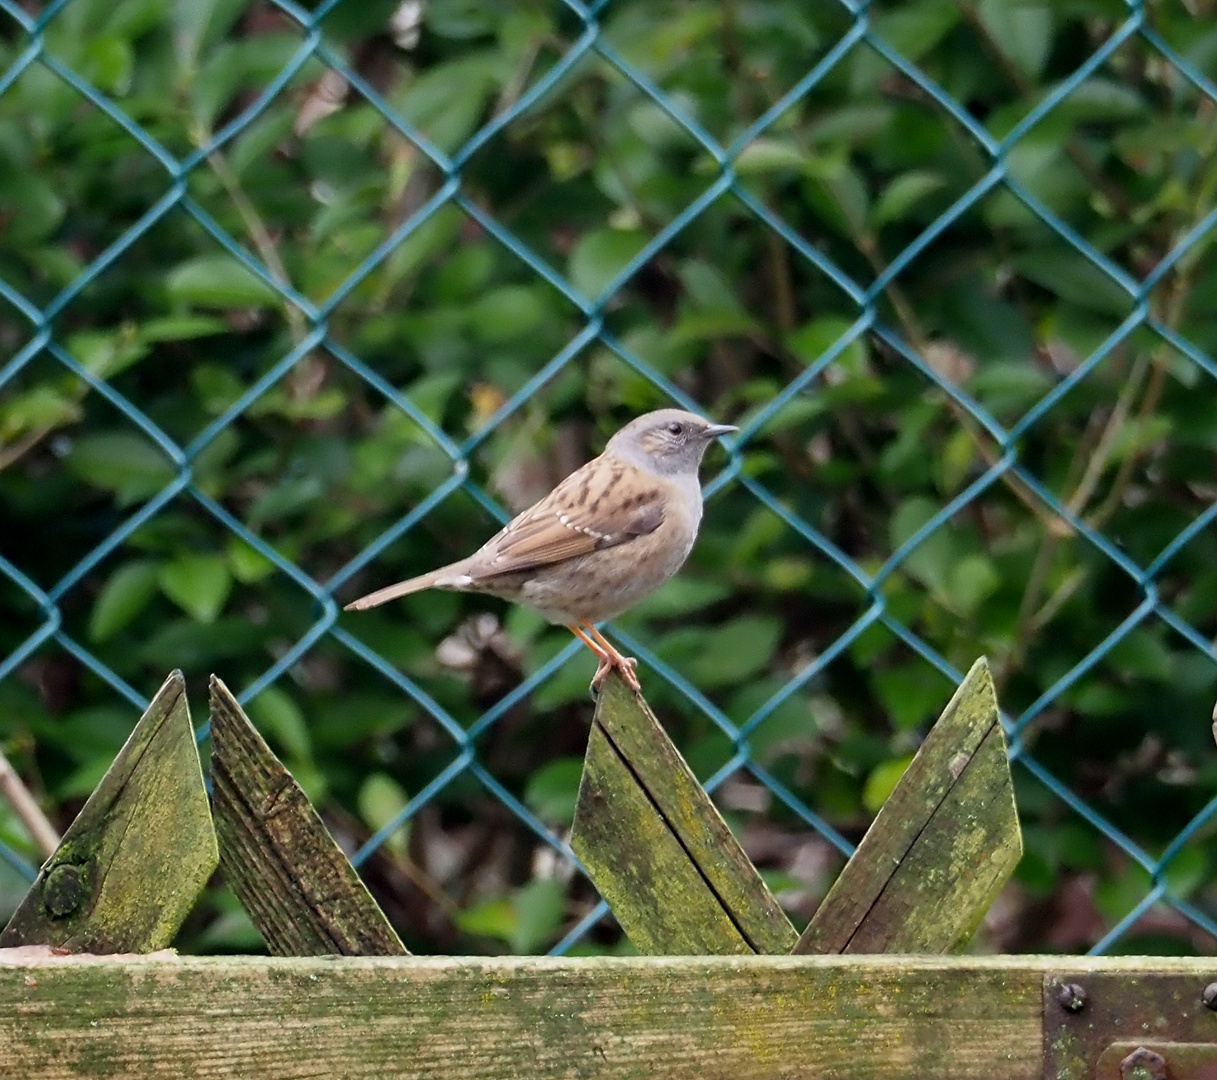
603, 664
613, 659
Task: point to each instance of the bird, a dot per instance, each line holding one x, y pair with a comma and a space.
608, 535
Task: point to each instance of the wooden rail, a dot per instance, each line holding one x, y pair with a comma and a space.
643, 1018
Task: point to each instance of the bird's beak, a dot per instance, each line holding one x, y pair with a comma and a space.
715, 430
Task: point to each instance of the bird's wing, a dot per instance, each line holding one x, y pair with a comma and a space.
605, 503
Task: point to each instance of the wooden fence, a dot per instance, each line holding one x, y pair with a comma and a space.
728, 987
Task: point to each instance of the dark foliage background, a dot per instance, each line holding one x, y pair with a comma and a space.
976, 241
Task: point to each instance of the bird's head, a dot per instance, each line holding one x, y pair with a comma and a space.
668, 442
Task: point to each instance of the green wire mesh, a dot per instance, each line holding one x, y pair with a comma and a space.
726, 166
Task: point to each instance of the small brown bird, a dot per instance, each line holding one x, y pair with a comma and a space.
611, 533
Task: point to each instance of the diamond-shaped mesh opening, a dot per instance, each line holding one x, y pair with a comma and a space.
558, 207
317, 186
66, 724
53, 236
1109, 893
766, 53
451, 300
1092, 732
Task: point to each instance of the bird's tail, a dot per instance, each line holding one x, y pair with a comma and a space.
446, 577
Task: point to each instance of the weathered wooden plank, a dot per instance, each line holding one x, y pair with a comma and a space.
940, 848
131, 866
656, 892
290, 875
641, 1018
657, 848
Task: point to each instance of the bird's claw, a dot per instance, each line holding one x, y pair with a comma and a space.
624, 664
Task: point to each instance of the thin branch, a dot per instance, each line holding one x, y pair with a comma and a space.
26, 807
260, 236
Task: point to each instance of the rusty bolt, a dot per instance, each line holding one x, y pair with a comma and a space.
1071, 997
63, 890
1209, 996
1143, 1064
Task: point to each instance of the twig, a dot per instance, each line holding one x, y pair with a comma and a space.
260, 236
17, 449
1076, 151
26, 807
1055, 525
1096, 459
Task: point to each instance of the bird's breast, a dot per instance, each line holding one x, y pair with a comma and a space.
605, 583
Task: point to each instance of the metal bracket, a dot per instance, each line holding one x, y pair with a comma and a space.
1134, 1025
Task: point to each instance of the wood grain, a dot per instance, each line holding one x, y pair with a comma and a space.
290, 875
657, 848
644, 1018
131, 866
941, 847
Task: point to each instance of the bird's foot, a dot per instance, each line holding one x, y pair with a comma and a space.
616, 662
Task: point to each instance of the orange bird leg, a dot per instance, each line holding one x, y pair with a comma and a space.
601, 655
603, 664
612, 659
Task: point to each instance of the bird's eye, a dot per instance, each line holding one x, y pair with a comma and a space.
675, 428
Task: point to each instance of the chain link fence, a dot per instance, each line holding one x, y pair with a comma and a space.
309, 62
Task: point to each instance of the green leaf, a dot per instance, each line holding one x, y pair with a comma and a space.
106, 353
447, 102
180, 328
507, 314
930, 561
1141, 654
600, 256
813, 339
913, 29
911, 693
539, 908
494, 918
108, 62
682, 595
198, 584
381, 800
122, 462
1116, 896
216, 387
841, 199
41, 407
247, 563
956, 459
1021, 30
219, 281
42, 209
973, 580
709, 288
125, 594
903, 193
768, 155
735, 652
199, 24
1009, 385
1073, 277
882, 782
713, 325
1187, 872
274, 712
188, 644
1098, 99
552, 790
462, 19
